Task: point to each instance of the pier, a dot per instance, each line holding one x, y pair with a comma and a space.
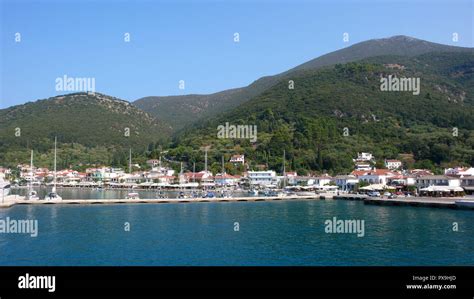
433, 202
350, 197
19, 200
436, 202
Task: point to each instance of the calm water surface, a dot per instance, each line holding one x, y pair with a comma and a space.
270, 233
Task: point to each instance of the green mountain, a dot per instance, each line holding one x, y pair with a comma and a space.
336, 111
180, 111
86, 120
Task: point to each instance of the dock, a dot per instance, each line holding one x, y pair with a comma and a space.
21, 201
350, 197
433, 202
436, 202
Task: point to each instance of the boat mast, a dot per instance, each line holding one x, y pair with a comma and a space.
31, 169
194, 180
222, 173
130, 161
205, 160
55, 149
181, 178
223, 168
284, 174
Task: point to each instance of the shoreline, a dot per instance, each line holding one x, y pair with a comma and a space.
437, 202
21, 201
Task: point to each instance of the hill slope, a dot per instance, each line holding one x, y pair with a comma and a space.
81, 118
180, 111
309, 121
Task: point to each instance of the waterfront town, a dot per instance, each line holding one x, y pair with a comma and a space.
392, 181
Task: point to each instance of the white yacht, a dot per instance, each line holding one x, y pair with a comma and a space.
133, 195
53, 195
32, 195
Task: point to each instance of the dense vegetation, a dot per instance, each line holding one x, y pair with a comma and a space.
334, 111
309, 121
94, 128
184, 110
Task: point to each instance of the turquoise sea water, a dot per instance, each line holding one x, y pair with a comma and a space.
270, 233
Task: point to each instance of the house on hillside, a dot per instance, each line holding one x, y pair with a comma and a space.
459, 171
237, 159
393, 164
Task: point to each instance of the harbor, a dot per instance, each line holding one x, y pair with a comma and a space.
446, 202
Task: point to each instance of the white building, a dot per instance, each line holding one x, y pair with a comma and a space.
262, 178
364, 157
437, 180
393, 164
321, 180
376, 176
467, 183
237, 159
459, 171
363, 166
226, 179
401, 180
153, 162
346, 183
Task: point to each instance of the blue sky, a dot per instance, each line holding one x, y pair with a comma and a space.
193, 40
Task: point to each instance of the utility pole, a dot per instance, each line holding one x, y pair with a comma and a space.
284, 173
130, 161
205, 160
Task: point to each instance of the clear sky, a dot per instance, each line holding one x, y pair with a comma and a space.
194, 40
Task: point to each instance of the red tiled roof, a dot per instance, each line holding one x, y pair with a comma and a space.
373, 172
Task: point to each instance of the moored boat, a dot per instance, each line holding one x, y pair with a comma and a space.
4, 187
53, 195
32, 195
133, 195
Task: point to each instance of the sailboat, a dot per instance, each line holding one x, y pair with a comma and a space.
4, 187
131, 195
32, 194
282, 192
224, 192
53, 195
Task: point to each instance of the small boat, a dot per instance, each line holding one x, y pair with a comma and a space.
53, 196
465, 203
253, 192
132, 195
32, 195
209, 195
160, 195
305, 193
269, 193
182, 195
